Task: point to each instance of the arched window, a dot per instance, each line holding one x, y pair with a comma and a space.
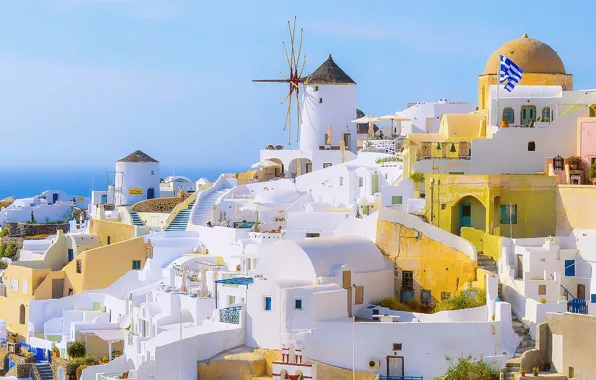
22, 315
546, 114
509, 115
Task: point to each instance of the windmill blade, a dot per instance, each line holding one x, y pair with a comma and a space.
289, 115
286, 98
303, 66
288, 112
270, 80
298, 117
287, 56
292, 39
300, 48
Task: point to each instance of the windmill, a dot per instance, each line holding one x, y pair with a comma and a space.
294, 79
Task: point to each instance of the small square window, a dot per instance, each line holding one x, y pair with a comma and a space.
531, 146
396, 346
593, 298
136, 264
443, 206
326, 165
541, 290
298, 304
396, 200
152, 172
267, 303
316, 88
320, 100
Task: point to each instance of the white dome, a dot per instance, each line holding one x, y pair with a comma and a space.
277, 196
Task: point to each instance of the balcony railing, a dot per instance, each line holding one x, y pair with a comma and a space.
380, 146
230, 315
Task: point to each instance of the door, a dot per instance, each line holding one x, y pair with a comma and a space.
54, 197
570, 268
528, 115
520, 266
150, 193
308, 167
347, 138
104, 199
395, 365
375, 183
465, 215
70, 254
57, 288
581, 291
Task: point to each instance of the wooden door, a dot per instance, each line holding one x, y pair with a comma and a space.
395, 365
528, 115
581, 291
308, 167
57, 288
520, 266
347, 279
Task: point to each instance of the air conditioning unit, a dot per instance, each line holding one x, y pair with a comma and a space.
374, 364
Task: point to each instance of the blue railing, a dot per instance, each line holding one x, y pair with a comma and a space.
230, 315
577, 305
382, 377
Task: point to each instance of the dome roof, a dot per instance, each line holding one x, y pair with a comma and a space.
531, 55
277, 196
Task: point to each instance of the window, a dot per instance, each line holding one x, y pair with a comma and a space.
79, 266
558, 163
508, 214
571, 372
360, 182
298, 304
397, 346
267, 303
316, 88
341, 181
136, 264
326, 165
445, 295
70, 292
385, 175
14, 285
531, 146
312, 234
509, 115
570, 268
231, 300
70, 254
541, 290
425, 297
347, 138
25, 287
109, 240
593, 298
546, 114
443, 206
407, 279
359, 299
320, 100
152, 172
396, 199
325, 140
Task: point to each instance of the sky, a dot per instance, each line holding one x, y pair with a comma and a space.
84, 83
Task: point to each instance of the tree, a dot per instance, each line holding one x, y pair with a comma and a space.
469, 368
11, 250
76, 350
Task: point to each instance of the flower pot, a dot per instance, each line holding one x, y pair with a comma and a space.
573, 166
535, 373
523, 374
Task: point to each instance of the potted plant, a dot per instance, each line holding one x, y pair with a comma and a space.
55, 352
504, 122
522, 371
575, 162
592, 173
535, 370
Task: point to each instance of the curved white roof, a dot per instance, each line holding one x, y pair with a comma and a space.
277, 196
319, 257
177, 178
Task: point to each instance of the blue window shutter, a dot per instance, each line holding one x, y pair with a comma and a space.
298, 304
268, 303
570, 268
593, 298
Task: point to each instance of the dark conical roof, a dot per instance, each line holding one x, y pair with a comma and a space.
329, 73
137, 156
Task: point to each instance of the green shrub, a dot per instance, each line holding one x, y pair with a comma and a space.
591, 173
84, 360
77, 350
2, 249
417, 177
4, 232
467, 299
3, 265
11, 250
467, 367
412, 305
388, 159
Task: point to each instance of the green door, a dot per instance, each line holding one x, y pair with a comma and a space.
375, 183
528, 115
465, 215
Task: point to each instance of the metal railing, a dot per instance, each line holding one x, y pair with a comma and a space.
230, 315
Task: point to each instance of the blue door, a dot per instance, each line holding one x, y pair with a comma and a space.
150, 193
267, 303
407, 295
104, 199
54, 197
569, 268
465, 215
70, 254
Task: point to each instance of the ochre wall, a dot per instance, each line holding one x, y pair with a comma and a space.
115, 230
436, 266
490, 245
574, 208
44, 290
103, 265
579, 335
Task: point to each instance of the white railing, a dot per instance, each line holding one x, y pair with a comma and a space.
380, 146
266, 236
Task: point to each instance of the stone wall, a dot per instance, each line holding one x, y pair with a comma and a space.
23, 363
16, 229
69, 369
160, 204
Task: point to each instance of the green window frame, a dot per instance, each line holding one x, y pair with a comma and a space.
136, 264
396, 199
509, 114
508, 214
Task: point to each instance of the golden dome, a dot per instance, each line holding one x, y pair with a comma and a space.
531, 55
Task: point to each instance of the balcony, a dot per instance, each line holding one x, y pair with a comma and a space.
444, 150
390, 146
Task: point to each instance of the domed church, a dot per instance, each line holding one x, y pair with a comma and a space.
541, 64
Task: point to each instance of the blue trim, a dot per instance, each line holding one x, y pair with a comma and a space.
593, 298
570, 268
236, 281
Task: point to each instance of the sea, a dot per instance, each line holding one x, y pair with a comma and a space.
27, 182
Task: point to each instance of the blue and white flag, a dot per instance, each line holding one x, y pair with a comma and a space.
510, 73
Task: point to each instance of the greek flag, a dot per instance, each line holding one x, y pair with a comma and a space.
510, 73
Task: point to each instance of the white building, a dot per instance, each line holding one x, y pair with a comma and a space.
51, 206
425, 117
136, 178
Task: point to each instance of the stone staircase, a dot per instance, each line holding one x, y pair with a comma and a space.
181, 220
489, 264
203, 213
524, 333
136, 219
45, 370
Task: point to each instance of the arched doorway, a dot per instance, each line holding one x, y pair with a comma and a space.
468, 212
593, 110
279, 172
22, 315
299, 166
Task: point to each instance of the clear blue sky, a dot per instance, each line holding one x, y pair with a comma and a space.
85, 82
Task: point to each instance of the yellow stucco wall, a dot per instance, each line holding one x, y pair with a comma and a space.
534, 195
490, 245
436, 266
574, 206
103, 265
44, 290
528, 79
328, 372
115, 230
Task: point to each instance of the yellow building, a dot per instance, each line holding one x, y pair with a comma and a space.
515, 206
93, 267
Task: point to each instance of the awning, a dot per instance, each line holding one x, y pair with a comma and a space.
105, 335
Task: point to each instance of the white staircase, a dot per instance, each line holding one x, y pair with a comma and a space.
202, 212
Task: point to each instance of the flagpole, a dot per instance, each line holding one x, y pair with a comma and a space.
498, 72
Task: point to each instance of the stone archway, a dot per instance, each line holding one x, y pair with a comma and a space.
469, 211
299, 166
